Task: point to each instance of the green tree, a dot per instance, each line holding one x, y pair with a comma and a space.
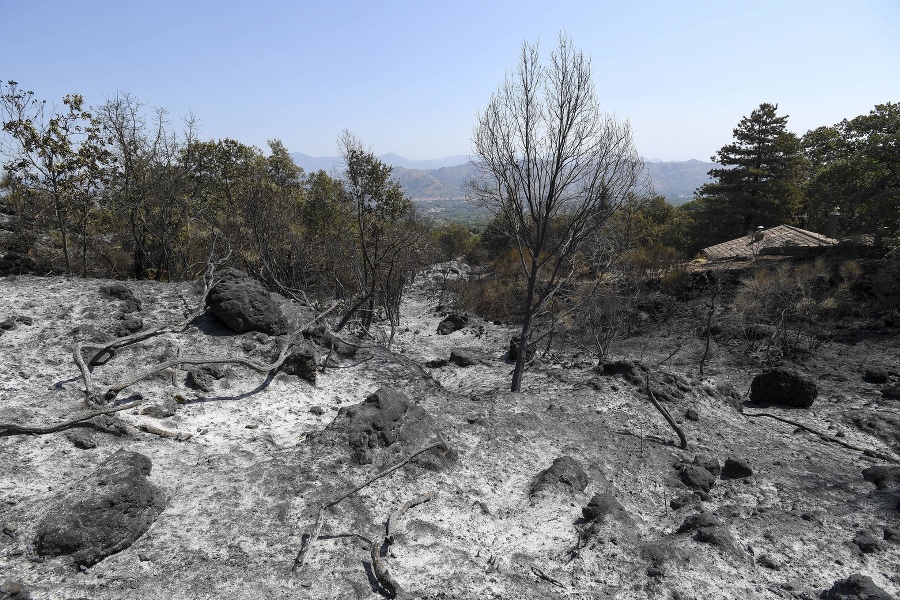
855, 166
55, 158
554, 167
758, 182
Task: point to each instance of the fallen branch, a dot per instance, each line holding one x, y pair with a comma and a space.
395, 516
827, 436
537, 571
164, 433
683, 443
379, 564
305, 552
16, 429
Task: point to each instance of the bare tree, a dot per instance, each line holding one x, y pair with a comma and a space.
554, 167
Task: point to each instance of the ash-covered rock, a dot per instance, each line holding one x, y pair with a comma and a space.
787, 387
243, 304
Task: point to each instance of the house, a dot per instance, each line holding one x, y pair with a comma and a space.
781, 240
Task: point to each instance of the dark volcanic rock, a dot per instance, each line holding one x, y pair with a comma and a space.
697, 478
710, 529
204, 377
128, 326
81, 439
120, 291
302, 362
387, 423
452, 322
564, 474
856, 587
866, 542
709, 463
875, 375
243, 304
736, 468
892, 392
683, 500
883, 476
783, 386
103, 513
601, 506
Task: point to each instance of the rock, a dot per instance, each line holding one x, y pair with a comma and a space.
13, 589
302, 362
103, 513
204, 377
600, 506
783, 386
631, 371
161, 410
121, 292
709, 463
24, 320
865, 540
8, 324
736, 468
683, 500
128, 326
317, 410
243, 304
691, 415
452, 322
891, 392
881, 424
513, 351
81, 439
697, 478
389, 425
698, 521
437, 363
112, 424
710, 529
883, 476
330, 342
462, 357
875, 375
855, 587
565, 474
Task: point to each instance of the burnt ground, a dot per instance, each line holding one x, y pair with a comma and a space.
243, 491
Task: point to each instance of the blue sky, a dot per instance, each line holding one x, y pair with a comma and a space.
410, 77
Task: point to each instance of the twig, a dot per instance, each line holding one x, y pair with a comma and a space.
827, 437
383, 575
15, 429
395, 516
537, 571
302, 555
683, 444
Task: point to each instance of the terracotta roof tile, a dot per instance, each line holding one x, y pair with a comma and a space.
783, 236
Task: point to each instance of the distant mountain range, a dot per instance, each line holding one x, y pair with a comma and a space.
440, 183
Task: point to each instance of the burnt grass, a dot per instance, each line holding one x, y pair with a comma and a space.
242, 493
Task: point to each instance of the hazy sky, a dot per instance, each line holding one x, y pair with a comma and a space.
410, 77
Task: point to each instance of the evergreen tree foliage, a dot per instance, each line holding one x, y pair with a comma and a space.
758, 182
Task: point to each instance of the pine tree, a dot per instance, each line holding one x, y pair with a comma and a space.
758, 182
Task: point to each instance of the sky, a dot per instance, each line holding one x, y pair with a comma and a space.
410, 77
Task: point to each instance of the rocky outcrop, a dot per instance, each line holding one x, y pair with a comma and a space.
855, 587
783, 386
243, 304
119, 291
565, 474
452, 322
387, 426
103, 513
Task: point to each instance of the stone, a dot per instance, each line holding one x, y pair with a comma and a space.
565, 474
891, 392
122, 292
8, 324
882, 424
437, 363
243, 304
783, 386
736, 468
462, 357
697, 478
855, 587
204, 377
883, 476
13, 589
866, 542
161, 410
631, 371
302, 362
683, 500
600, 506
81, 439
452, 322
691, 415
388, 426
317, 411
128, 326
102, 514
710, 529
875, 375
709, 463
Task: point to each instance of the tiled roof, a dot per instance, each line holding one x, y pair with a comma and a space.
783, 236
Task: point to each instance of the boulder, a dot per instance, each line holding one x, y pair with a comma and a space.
736, 468
302, 362
243, 304
103, 513
600, 506
452, 322
514, 348
883, 476
875, 375
697, 478
787, 387
565, 474
388, 426
120, 291
891, 392
855, 587
710, 529
128, 326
